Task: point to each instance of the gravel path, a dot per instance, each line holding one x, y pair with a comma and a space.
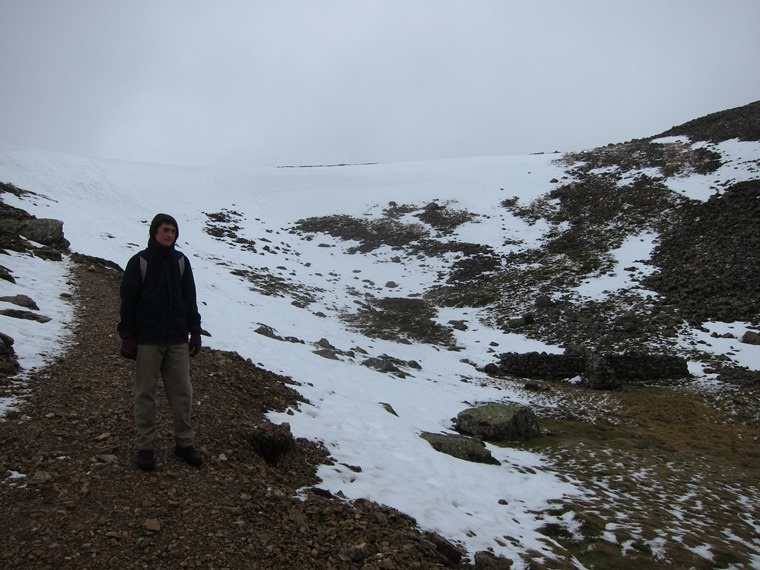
83, 503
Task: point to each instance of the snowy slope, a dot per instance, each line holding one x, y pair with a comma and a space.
106, 207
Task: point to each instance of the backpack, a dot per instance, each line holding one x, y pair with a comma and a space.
180, 261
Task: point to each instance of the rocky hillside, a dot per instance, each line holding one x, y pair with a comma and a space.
704, 267
257, 502
741, 123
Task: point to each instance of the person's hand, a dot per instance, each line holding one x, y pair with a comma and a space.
195, 342
128, 345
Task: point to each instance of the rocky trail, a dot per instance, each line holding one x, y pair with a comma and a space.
72, 497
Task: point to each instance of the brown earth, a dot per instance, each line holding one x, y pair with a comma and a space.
83, 502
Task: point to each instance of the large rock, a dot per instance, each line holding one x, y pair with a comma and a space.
8, 363
24, 315
21, 301
272, 441
390, 365
751, 337
6, 274
499, 421
460, 446
46, 231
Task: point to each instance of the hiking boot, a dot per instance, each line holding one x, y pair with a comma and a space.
189, 454
145, 460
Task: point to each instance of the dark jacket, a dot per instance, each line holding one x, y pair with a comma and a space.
162, 307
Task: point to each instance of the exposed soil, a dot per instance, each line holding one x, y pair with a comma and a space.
84, 503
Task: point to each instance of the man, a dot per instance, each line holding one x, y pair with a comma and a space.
158, 311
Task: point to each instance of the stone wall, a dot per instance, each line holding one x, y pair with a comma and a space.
541, 365
602, 371
632, 367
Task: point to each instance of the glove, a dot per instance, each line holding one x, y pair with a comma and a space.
195, 342
128, 345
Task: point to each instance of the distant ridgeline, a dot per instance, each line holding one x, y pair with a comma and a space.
741, 123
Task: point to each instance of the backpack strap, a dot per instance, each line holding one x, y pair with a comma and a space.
180, 262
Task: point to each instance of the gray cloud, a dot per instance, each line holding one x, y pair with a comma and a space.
297, 82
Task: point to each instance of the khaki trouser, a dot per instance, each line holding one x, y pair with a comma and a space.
172, 363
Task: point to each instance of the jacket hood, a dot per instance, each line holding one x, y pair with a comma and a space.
159, 219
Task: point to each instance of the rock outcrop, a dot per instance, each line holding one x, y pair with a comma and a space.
8, 362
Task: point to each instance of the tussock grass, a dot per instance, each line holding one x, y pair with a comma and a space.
671, 480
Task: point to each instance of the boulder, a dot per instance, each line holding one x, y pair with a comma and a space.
24, 315
6, 274
460, 446
386, 364
272, 441
267, 331
751, 337
327, 353
8, 363
21, 301
499, 421
46, 231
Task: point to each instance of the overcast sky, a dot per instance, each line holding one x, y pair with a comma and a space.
255, 82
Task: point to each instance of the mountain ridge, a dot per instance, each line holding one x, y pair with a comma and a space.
742, 123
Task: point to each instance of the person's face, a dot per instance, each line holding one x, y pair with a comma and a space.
166, 234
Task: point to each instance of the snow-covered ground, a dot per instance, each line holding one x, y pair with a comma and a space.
106, 207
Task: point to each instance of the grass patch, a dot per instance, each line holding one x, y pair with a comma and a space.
263, 281
668, 477
401, 319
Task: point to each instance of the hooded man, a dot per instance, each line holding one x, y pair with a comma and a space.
158, 312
